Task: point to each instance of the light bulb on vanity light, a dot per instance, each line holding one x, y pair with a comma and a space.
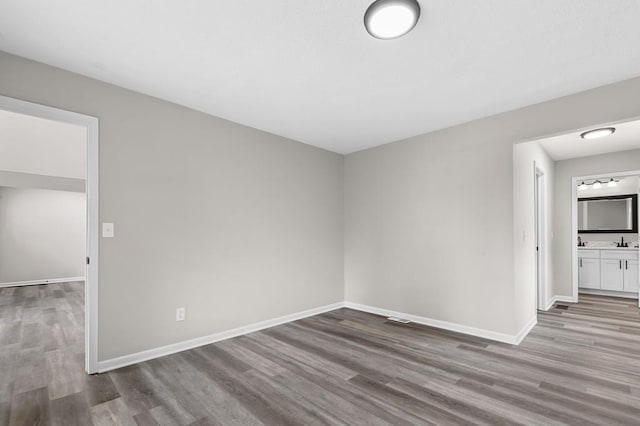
612, 183
582, 186
597, 185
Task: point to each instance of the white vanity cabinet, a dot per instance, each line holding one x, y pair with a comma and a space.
611, 275
614, 270
589, 269
631, 276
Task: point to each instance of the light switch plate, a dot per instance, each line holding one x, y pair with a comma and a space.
108, 230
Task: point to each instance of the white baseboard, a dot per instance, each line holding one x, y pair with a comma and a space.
596, 292
39, 282
123, 361
556, 298
518, 338
478, 332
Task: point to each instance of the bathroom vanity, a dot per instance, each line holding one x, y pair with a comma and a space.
608, 270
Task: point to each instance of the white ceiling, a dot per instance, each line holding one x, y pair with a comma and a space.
42, 147
563, 147
308, 70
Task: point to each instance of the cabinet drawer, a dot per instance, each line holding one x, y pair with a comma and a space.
619, 254
588, 254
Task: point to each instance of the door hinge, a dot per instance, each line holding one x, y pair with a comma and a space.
88, 260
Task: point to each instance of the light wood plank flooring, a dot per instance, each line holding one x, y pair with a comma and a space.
580, 365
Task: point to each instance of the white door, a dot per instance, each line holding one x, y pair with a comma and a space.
631, 276
611, 274
589, 273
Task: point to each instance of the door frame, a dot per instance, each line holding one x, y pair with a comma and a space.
574, 222
539, 215
92, 225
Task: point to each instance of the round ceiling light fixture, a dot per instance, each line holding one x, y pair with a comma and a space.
598, 133
389, 19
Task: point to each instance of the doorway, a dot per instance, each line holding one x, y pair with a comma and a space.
91, 208
604, 262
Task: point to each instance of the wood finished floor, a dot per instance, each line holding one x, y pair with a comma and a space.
580, 365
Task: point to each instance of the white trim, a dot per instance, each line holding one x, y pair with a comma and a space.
518, 338
92, 234
39, 282
574, 221
611, 293
539, 217
550, 303
556, 298
565, 299
464, 329
123, 361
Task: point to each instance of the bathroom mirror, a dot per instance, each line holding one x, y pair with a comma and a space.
614, 214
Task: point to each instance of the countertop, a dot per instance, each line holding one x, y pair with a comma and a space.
608, 248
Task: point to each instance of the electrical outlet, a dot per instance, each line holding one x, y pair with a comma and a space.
180, 314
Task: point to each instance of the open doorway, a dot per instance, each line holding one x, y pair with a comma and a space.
551, 177
605, 225
46, 201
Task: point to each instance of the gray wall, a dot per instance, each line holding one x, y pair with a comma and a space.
42, 234
235, 224
563, 242
429, 220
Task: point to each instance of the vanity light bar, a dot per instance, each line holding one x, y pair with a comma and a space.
598, 184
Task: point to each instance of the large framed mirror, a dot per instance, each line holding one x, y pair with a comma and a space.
613, 214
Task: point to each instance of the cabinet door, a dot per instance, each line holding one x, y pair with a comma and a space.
589, 273
631, 276
611, 274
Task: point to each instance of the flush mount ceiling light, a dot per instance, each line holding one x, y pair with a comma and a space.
598, 133
388, 19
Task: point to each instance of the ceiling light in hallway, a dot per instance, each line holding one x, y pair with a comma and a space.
388, 19
598, 133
